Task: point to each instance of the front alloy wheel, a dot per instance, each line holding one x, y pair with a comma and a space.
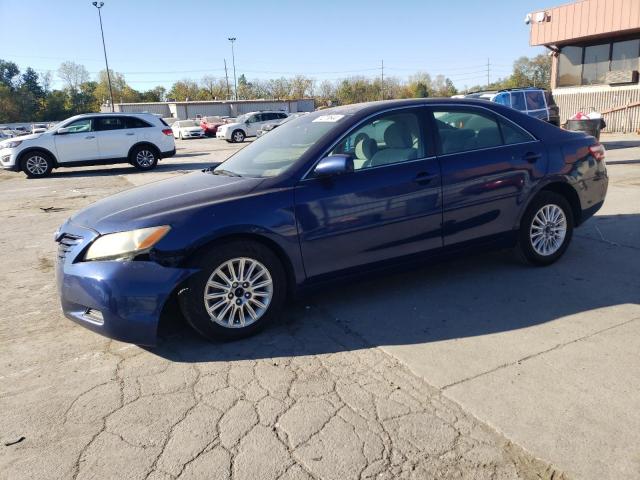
238, 136
240, 287
37, 165
238, 293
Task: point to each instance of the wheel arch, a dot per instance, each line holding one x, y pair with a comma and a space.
149, 145
269, 243
26, 151
561, 188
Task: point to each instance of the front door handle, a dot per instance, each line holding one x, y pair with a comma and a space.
130, 133
532, 157
423, 178
89, 137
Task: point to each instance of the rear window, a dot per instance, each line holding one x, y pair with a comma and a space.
535, 100
133, 122
163, 122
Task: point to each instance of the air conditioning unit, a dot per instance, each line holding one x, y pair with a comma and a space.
618, 77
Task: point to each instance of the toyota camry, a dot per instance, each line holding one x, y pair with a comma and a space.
333, 193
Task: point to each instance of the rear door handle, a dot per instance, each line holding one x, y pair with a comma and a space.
89, 137
532, 157
423, 178
130, 133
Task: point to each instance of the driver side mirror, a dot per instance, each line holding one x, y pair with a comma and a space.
333, 165
63, 131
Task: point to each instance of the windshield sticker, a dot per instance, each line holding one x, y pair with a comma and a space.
328, 118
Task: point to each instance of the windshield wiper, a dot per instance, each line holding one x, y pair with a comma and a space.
228, 173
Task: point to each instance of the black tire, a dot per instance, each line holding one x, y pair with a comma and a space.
37, 164
144, 157
526, 247
238, 136
192, 301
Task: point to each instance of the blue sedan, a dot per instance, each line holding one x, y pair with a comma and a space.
333, 193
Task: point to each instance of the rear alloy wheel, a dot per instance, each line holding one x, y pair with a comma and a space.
237, 136
37, 165
144, 158
240, 287
546, 229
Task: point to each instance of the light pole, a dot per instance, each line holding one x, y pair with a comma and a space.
233, 59
99, 5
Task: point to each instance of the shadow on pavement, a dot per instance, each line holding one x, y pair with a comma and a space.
616, 145
476, 295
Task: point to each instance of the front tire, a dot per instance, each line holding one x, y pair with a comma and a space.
144, 158
240, 288
546, 229
37, 164
238, 136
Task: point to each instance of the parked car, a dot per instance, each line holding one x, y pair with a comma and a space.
91, 139
336, 192
187, 129
5, 133
210, 125
20, 130
535, 102
247, 125
270, 126
38, 128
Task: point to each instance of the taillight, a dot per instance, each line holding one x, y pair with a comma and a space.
167, 132
597, 151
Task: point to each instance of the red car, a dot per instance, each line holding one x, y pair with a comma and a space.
210, 125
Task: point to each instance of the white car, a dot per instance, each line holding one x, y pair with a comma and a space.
91, 139
187, 129
247, 125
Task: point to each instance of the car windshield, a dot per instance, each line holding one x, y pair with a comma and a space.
272, 154
189, 123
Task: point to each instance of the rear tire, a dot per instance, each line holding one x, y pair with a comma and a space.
251, 301
37, 164
545, 229
144, 158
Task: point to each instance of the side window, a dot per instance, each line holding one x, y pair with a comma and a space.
268, 116
254, 118
535, 100
503, 99
79, 126
517, 101
282, 115
109, 123
390, 138
465, 130
133, 122
514, 134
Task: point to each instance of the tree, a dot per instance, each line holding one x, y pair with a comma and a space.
301, 87
212, 88
73, 75
8, 72
184, 90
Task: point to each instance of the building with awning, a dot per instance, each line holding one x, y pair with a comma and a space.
595, 45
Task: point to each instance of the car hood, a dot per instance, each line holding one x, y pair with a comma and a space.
163, 202
23, 138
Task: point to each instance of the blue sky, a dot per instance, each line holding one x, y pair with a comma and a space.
159, 42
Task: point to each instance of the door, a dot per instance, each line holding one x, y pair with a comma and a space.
253, 124
114, 138
388, 207
489, 164
78, 144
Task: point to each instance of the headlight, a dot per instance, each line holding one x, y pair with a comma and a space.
125, 245
11, 144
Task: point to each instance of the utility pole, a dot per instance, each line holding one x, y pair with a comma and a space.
382, 79
233, 59
226, 75
99, 5
488, 73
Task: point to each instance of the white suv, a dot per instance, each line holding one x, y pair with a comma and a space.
91, 139
247, 125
